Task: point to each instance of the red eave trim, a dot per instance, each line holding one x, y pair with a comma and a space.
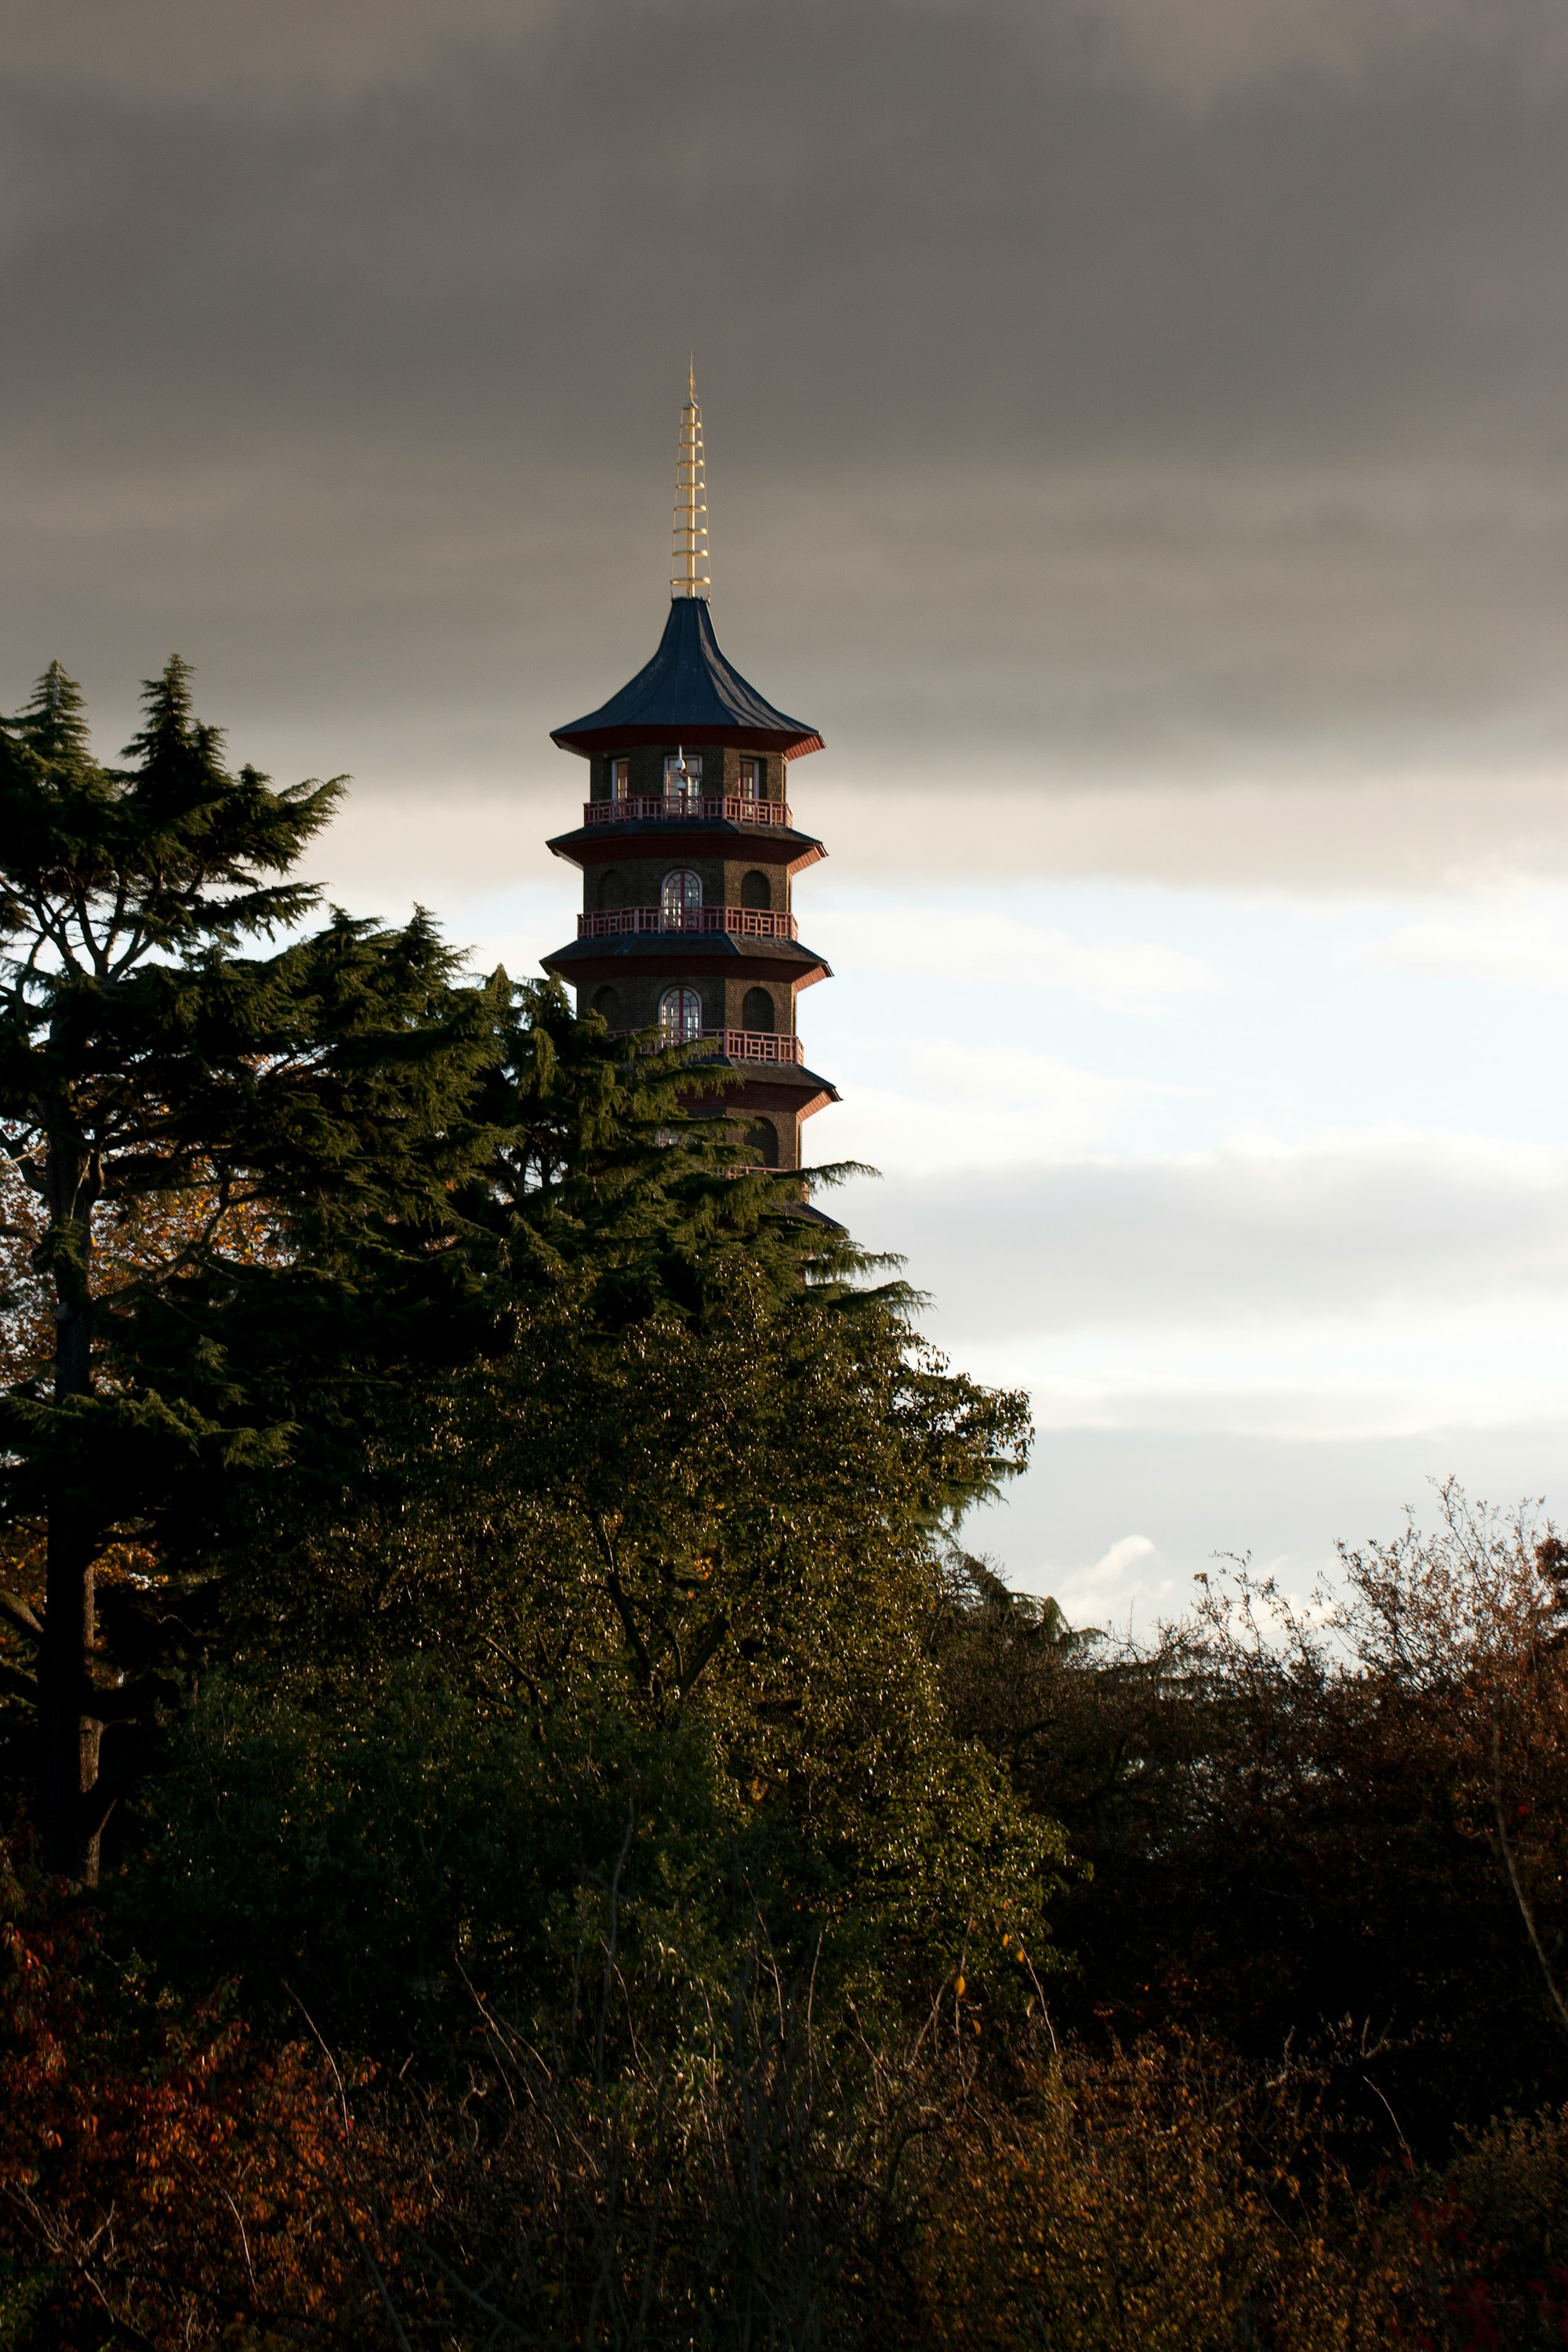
645, 737
606, 845
746, 965
766, 1094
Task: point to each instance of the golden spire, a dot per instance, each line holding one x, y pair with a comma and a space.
689, 546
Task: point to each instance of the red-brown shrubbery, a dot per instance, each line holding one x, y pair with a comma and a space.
1166, 2198
1297, 1819
164, 2179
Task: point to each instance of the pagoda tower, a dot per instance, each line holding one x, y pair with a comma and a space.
688, 851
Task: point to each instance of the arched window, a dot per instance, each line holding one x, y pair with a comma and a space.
620, 780
756, 890
680, 901
607, 1004
612, 890
680, 1015
757, 1013
751, 780
763, 1143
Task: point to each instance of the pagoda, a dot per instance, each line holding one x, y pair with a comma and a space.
688, 851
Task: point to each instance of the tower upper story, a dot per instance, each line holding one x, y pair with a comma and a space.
689, 688
689, 850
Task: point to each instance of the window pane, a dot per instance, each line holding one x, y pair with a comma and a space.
681, 896
680, 1015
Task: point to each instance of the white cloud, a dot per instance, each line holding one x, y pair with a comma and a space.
1257, 825
1234, 1238
1126, 1552
994, 948
950, 1106
1283, 1501
1128, 1584
1519, 945
457, 852
1399, 1393
1004, 1075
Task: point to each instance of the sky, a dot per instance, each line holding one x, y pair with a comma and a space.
1136, 439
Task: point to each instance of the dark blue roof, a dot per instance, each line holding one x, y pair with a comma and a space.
689, 694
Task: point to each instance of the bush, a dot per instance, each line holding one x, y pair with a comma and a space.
165, 2179
368, 1862
1295, 1821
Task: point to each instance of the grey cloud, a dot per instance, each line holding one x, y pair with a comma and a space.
1344, 620
1199, 48
1311, 839
183, 46
1227, 677
1062, 432
879, 217
1231, 1238
1311, 836
1204, 48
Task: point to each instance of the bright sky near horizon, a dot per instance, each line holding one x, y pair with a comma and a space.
1135, 438
1263, 1195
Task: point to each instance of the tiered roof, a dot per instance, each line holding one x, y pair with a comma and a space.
689, 694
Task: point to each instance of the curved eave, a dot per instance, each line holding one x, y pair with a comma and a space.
806, 1213
688, 693
773, 1086
769, 1085
721, 838
692, 735
642, 953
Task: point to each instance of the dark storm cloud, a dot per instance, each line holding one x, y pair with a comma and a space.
1158, 384
913, 223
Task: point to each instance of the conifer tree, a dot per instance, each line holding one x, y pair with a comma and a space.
145, 1063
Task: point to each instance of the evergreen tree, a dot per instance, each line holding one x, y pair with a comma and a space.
177, 1111
642, 1456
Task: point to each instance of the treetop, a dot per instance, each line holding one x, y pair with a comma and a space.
101, 866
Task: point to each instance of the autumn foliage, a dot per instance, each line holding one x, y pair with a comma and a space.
164, 2178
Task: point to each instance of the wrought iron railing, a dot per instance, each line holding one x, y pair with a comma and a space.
745, 922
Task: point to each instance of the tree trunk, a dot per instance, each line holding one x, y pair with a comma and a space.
71, 1809
70, 1734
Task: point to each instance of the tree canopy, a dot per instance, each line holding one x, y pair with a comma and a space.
529, 1828
172, 1108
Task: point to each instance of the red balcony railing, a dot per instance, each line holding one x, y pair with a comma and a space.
734, 1044
675, 807
754, 1045
747, 922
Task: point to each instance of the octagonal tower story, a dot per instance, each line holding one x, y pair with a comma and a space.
688, 851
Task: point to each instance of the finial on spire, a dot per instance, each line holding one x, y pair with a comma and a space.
689, 545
